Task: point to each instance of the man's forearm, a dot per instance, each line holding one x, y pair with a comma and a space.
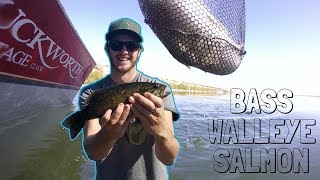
99, 146
166, 149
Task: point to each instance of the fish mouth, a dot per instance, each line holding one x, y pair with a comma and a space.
164, 94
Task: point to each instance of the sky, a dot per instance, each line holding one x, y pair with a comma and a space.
282, 44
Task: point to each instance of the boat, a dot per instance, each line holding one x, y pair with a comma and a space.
43, 61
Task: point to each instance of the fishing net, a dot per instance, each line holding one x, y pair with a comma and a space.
206, 34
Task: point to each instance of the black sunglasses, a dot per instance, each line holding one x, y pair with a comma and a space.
118, 45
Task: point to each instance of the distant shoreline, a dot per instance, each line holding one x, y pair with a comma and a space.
197, 92
185, 90
177, 86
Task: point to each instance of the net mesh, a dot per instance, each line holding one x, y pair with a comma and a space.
206, 34
231, 13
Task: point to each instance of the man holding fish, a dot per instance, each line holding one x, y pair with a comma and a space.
136, 139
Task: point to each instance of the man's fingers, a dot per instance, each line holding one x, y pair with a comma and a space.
144, 120
120, 115
142, 109
129, 118
155, 99
116, 114
131, 99
105, 118
143, 101
124, 114
148, 103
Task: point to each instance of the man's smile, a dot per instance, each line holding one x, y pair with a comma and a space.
124, 58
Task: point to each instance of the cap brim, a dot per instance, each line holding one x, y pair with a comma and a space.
123, 31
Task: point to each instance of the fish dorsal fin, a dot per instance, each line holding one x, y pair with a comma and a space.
90, 93
94, 93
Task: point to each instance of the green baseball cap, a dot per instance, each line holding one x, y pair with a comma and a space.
124, 25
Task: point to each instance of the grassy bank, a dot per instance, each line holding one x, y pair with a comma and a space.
181, 87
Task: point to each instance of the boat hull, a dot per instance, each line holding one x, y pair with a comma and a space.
43, 62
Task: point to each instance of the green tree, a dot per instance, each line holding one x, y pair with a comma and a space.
96, 73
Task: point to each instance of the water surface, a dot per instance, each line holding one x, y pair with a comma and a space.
36, 147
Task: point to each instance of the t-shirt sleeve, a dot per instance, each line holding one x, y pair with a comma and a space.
170, 105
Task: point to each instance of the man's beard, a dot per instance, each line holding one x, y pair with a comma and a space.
120, 69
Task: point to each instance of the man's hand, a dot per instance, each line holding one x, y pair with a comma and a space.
150, 110
99, 138
114, 124
158, 122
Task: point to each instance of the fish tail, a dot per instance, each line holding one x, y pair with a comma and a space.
74, 123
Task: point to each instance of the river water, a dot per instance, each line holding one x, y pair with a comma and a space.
36, 147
